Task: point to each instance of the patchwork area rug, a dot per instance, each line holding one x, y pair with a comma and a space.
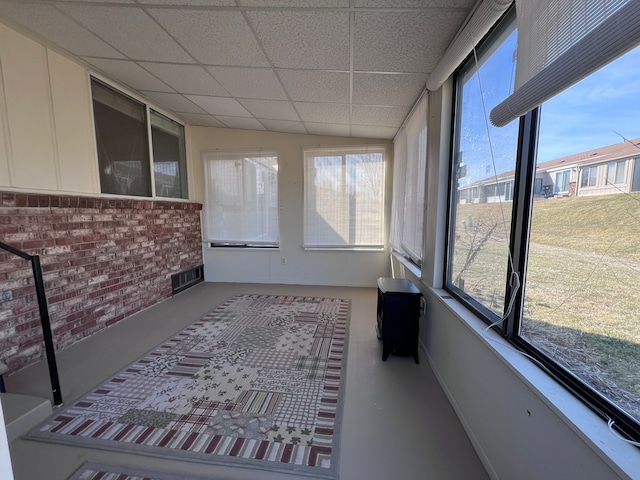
97, 471
257, 382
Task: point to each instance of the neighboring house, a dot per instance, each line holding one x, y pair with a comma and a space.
601, 171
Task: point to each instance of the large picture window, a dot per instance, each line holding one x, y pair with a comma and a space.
241, 198
124, 159
575, 310
344, 197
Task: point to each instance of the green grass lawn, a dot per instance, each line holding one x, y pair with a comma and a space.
582, 302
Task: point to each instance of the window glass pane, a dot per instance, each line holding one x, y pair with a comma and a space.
121, 138
169, 158
581, 295
241, 198
484, 169
344, 198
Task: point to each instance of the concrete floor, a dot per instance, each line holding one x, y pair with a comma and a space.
397, 422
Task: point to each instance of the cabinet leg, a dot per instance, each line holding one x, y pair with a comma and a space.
415, 357
385, 353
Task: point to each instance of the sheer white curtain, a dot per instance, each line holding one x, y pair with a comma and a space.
409, 167
562, 42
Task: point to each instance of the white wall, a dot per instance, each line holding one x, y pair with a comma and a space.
522, 423
46, 127
310, 267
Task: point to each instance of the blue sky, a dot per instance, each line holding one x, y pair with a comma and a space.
583, 117
587, 115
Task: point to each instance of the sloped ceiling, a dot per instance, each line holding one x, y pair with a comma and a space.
324, 67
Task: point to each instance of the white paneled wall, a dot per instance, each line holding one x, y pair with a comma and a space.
47, 130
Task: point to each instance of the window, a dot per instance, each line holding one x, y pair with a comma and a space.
615, 172
344, 197
123, 147
169, 157
241, 198
409, 164
562, 181
589, 177
479, 224
575, 312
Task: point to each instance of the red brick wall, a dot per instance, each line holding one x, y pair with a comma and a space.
102, 260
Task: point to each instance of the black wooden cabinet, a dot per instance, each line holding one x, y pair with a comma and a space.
398, 317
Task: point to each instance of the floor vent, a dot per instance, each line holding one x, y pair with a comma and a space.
183, 280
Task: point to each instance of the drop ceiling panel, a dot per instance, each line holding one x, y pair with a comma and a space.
331, 67
58, 28
379, 116
130, 30
204, 3
203, 120
129, 73
400, 90
191, 79
271, 109
373, 132
328, 129
323, 112
283, 126
220, 105
242, 123
304, 39
249, 82
316, 85
296, 3
402, 41
213, 37
414, 3
174, 101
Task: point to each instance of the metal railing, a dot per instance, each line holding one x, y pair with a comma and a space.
44, 319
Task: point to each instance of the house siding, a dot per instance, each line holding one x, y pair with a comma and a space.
102, 260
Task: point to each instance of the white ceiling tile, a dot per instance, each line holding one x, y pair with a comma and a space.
316, 85
213, 37
328, 129
373, 132
400, 90
204, 120
130, 30
323, 112
242, 123
296, 3
220, 105
283, 126
379, 116
174, 102
197, 3
59, 29
403, 41
249, 82
103, 1
130, 73
271, 109
186, 78
304, 39
414, 3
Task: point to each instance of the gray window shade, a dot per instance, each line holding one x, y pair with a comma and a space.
478, 25
560, 43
